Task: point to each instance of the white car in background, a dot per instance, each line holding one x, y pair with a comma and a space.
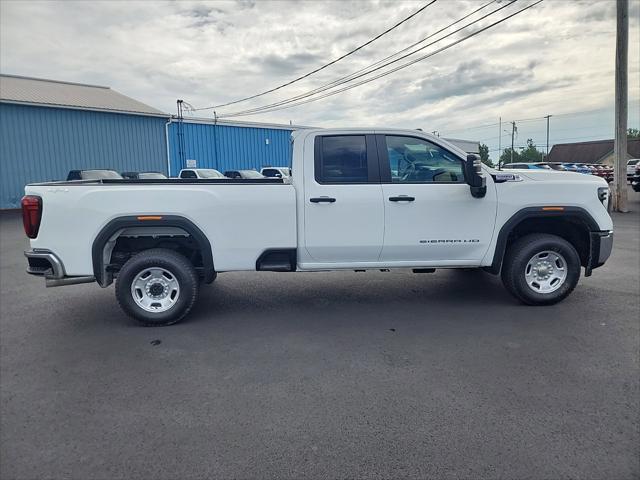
631, 167
276, 172
200, 173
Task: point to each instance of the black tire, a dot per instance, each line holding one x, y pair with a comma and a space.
515, 263
173, 262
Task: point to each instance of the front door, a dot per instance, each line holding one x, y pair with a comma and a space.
430, 215
343, 208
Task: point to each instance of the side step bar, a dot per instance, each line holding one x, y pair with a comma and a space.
277, 260
61, 282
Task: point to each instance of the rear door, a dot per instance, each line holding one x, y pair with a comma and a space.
430, 215
343, 209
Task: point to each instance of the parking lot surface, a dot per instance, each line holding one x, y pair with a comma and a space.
363, 375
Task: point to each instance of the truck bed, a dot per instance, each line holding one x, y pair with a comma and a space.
241, 218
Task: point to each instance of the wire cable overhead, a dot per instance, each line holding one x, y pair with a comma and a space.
351, 52
293, 101
372, 67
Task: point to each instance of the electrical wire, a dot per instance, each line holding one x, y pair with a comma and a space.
325, 65
354, 76
395, 69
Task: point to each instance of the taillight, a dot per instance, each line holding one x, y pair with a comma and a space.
31, 214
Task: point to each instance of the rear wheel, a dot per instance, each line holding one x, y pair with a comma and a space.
541, 269
157, 287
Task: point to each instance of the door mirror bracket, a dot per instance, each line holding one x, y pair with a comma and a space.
474, 176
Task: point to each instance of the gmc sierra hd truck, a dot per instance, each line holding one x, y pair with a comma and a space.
357, 199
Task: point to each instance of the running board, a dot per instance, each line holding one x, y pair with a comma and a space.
277, 260
61, 282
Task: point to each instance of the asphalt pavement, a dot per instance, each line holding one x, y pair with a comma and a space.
316, 375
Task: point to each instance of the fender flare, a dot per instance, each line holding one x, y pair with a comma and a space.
119, 223
575, 213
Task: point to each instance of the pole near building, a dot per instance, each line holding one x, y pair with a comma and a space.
499, 140
513, 132
620, 142
547, 117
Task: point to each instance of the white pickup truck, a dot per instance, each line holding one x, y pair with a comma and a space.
357, 199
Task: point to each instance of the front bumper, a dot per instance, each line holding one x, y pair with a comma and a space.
45, 263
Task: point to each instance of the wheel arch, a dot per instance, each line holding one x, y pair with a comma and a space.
574, 224
101, 253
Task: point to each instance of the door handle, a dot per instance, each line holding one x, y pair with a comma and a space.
322, 200
402, 198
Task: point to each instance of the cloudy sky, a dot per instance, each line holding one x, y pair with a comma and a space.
554, 59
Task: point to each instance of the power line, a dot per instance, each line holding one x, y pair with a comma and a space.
278, 105
354, 75
570, 114
325, 65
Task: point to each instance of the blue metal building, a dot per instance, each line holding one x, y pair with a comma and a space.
48, 128
225, 145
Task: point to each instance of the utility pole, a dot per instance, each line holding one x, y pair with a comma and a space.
547, 117
620, 142
513, 132
499, 140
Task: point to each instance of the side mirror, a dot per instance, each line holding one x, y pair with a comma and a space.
474, 177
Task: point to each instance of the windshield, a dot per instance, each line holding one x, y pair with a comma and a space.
210, 173
100, 174
151, 175
250, 174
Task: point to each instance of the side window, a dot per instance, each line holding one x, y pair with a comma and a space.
188, 174
343, 159
414, 160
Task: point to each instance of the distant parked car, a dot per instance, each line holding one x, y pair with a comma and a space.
598, 170
577, 167
143, 175
631, 167
93, 175
276, 172
200, 173
553, 165
635, 179
526, 166
246, 174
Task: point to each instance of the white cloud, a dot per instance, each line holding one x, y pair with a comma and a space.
555, 58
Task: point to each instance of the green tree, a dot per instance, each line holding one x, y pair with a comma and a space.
531, 154
507, 158
633, 133
484, 155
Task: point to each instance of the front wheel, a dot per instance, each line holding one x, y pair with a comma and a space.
541, 269
157, 287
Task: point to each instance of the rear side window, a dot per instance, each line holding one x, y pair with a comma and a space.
188, 174
342, 159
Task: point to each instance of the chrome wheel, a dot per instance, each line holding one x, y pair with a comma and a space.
155, 289
546, 272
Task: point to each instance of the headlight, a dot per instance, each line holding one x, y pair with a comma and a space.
604, 196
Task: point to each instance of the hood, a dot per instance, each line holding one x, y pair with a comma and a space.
559, 176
